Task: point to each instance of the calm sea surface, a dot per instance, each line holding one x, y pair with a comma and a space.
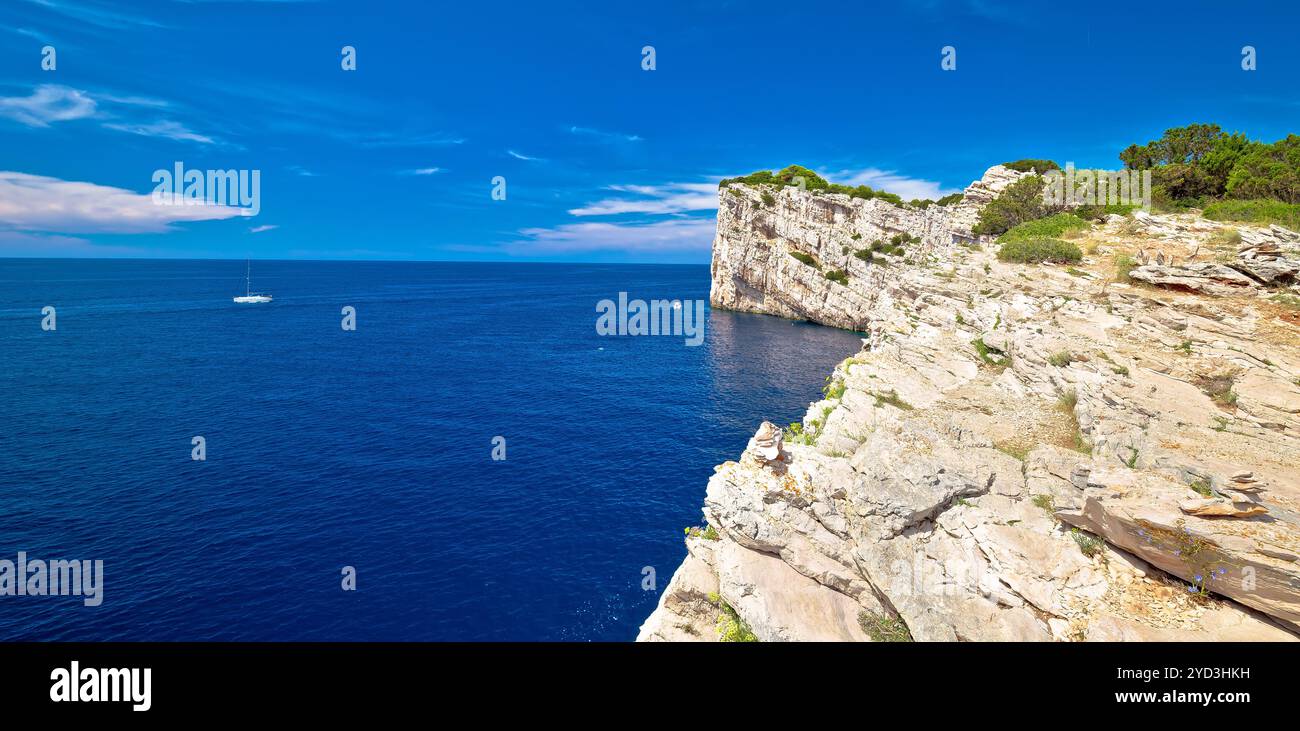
370, 448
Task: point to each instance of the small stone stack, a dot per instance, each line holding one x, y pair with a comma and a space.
767, 446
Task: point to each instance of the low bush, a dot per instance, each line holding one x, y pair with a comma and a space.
1097, 213
1061, 359
1036, 251
1019, 202
1256, 211
1031, 165
883, 628
1051, 227
1124, 265
838, 276
808, 259
799, 176
1089, 544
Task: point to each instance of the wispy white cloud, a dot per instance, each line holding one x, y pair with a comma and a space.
655, 199
603, 135
44, 204
51, 103
132, 100
164, 128
36, 34
96, 14
521, 156
665, 223
260, 229
48, 103
380, 140
890, 181
422, 171
672, 235
302, 171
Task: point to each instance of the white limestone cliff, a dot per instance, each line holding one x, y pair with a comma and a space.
1019, 452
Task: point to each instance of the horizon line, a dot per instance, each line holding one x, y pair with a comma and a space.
360, 261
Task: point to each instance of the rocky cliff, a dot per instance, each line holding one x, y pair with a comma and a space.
1018, 452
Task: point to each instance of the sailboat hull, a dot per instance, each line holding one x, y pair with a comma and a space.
249, 298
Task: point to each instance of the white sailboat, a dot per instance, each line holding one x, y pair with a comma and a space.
249, 296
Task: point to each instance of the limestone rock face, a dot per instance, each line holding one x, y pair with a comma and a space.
1222, 507
1018, 452
1204, 277
754, 269
978, 194
1264, 258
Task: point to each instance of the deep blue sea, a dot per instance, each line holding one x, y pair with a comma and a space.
372, 448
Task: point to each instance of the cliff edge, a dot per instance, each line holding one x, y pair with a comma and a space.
1101, 451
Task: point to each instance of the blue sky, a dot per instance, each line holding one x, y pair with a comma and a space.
603, 161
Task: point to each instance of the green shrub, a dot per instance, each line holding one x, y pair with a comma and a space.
768, 199
833, 389
988, 354
731, 628
1089, 544
1256, 211
1219, 388
892, 399
1034, 251
1200, 163
1268, 171
1097, 213
708, 533
838, 276
792, 175
1021, 201
800, 176
949, 200
1124, 265
1051, 227
1031, 165
884, 628
808, 259
892, 248
864, 255
1188, 163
